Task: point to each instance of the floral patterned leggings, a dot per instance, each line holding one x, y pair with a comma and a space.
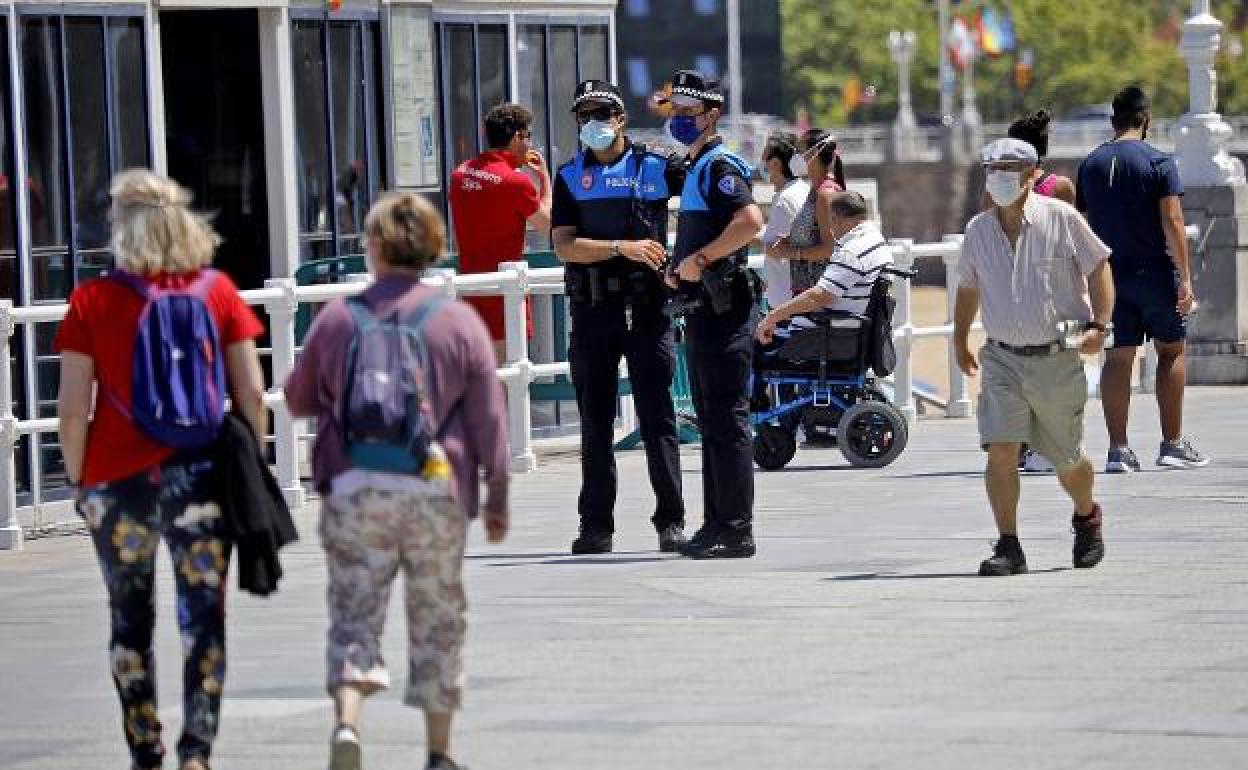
127, 519
373, 525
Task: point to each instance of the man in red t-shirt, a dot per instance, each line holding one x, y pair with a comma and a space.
491, 202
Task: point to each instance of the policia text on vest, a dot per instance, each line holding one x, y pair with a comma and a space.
609, 219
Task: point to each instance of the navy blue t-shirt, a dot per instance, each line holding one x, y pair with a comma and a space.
1119, 188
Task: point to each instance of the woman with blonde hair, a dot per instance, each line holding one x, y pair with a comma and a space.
140, 479
378, 518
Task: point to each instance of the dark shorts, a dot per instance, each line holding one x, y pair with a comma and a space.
1144, 308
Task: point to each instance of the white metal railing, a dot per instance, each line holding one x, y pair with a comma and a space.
281, 298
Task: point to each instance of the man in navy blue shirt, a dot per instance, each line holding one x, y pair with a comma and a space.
1131, 194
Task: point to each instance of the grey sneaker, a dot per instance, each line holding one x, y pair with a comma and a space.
1122, 460
1180, 454
1031, 461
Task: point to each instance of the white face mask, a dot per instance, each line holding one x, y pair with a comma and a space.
1004, 187
799, 166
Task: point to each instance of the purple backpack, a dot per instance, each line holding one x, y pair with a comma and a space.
384, 411
177, 375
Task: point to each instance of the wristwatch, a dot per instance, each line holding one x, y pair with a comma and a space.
615, 248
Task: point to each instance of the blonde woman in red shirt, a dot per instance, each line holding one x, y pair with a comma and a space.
133, 490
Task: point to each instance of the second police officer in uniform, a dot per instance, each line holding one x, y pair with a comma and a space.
609, 221
718, 220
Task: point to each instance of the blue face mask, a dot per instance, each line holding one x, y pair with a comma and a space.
684, 129
598, 134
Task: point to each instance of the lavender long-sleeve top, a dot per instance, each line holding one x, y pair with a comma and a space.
463, 390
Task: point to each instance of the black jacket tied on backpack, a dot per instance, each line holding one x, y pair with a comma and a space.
256, 514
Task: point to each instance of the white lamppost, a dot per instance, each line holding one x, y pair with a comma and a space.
901, 46
971, 121
1200, 146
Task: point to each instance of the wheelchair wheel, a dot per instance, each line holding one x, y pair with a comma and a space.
773, 447
872, 434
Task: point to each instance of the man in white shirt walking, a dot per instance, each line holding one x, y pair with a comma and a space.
1029, 264
791, 192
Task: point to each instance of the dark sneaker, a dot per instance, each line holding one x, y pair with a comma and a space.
1007, 559
1180, 454
672, 539
1031, 461
443, 763
725, 544
591, 543
704, 536
344, 749
1089, 546
1122, 460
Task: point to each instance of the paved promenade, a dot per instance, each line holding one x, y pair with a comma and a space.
858, 637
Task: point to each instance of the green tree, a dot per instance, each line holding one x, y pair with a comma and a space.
1084, 51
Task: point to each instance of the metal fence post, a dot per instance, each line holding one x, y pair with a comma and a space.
959, 402
286, 441
519, 419
903, 329
10, 529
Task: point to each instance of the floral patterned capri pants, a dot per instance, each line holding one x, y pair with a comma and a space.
127, 519
372, 526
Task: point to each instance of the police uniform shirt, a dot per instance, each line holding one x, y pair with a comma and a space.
722, 188
624, 200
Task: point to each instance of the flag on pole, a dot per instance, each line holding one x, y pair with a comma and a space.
962, 47
851, 93
1023, 69
996, 32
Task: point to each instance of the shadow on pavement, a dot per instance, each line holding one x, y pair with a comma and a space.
928, 575
603, 560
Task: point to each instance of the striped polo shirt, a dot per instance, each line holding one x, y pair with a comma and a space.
1027, 289
855, 265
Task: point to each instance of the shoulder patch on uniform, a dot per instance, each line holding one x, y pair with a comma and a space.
587, 180
727, 184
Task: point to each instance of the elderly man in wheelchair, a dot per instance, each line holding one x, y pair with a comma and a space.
812, 353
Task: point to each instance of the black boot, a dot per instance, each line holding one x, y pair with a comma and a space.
672, 539
1007, 559
1089, 546
721, 544
591, 543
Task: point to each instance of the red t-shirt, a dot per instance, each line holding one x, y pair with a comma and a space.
102, 323
490, 203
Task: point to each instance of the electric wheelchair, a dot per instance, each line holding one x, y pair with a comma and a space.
817, 380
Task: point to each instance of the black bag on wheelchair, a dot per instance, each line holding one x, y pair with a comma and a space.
883, 353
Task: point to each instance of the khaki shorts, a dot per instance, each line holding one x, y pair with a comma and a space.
1037, 400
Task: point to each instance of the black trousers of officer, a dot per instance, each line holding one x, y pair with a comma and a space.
600, 337
720, 349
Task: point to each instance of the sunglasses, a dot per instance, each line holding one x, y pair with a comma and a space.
594, 113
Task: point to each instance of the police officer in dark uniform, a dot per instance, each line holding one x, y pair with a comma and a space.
609, 224
718, 221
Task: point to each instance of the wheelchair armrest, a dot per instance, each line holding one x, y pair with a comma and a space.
833, 315
899, 272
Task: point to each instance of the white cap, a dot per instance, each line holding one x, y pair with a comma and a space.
1010, 151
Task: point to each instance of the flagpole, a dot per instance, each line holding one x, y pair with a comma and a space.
945, 72
735, 81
